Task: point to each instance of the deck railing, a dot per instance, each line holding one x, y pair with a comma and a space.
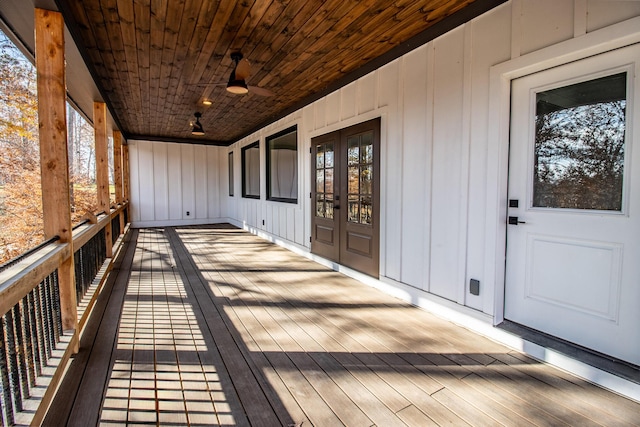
34, 350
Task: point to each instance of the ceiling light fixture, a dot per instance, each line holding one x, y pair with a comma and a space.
206, 102
197, 126
237, 85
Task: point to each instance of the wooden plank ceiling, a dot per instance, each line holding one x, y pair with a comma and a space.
155, 61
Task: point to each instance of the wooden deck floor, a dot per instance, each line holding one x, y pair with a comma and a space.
213, 326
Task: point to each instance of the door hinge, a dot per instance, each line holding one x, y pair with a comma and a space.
309, 239
309, 150
310, 195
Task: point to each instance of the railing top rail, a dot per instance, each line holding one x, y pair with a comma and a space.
24, 255
17, 281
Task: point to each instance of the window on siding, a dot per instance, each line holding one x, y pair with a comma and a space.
231, 174
282, 166
251, 171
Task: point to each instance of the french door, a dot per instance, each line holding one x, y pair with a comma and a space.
573, 233
346, 196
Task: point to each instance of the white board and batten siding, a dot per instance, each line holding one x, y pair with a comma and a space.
440, 203
281, 222
174, 184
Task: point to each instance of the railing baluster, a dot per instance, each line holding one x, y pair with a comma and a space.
77, 264
57, 311
28, 346
40, 324
33, 320
14, 375
46, 316
20, 354
4, 373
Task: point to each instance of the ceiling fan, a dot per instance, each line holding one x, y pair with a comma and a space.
237, 80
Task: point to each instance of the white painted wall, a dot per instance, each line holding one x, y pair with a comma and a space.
440, 205
175, 184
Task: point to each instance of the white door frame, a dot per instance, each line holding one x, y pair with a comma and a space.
600, 41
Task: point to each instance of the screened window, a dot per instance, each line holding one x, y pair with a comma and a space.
251, 171
282, 166
231, 174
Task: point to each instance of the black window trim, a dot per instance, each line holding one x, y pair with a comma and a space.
268, 164
244, 180
231, 174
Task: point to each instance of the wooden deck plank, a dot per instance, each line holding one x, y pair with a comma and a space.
314, 331
79, 397
219, 327
341, 405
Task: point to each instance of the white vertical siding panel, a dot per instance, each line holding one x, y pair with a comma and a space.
145, 160
463, 220
253, 214
275, 220
415, 167
319, 113
348, 98
160, 183
545, 22
601, 13
134, 172
389, 95
291, 224
269, 219
262, 220
282, 222
332, 108
366, 93
299, 226
200, 180
446, 166
188, 181
214, 175
230, 208
175, 181
490, 46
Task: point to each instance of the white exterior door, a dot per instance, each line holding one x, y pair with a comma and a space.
573, 238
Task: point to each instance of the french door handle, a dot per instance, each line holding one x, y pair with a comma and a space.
513, 220
336, 206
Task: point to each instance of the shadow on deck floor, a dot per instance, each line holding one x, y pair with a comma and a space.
211, 325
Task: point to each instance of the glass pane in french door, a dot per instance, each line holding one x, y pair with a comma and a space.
360, 178
324, 180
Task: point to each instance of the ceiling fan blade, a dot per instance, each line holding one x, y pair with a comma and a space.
260, 91
243, 69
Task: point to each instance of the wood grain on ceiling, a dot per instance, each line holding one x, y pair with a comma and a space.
156, 60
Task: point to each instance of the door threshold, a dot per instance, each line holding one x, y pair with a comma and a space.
609, 364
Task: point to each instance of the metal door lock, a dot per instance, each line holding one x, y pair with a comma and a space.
513, 220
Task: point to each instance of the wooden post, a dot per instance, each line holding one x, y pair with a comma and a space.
54, 161
125, 172
117, 172
117, 165
102, 167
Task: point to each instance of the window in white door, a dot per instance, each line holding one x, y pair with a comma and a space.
580, 145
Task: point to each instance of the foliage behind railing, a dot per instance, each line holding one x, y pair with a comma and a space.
30, 312
115, 229
88, 260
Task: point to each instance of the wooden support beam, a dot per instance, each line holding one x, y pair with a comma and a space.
125, 172
117, 165
117, 173
102, 166
54, 161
